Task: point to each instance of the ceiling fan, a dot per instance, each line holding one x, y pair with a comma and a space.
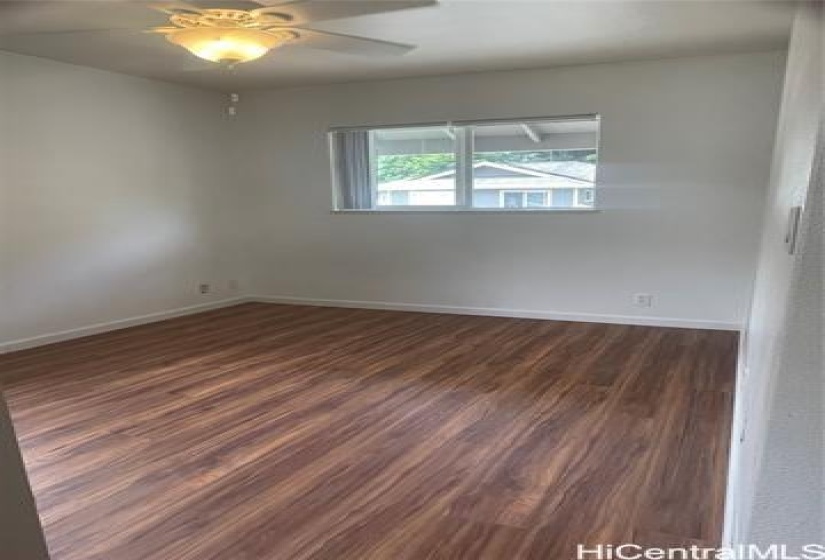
227, 32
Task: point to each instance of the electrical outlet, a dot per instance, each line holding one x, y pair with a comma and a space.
642, 300
205, 288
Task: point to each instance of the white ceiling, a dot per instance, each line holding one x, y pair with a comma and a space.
455, 36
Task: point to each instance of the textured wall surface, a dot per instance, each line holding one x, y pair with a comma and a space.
776, 488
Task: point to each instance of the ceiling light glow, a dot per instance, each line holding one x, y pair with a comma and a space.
229, 46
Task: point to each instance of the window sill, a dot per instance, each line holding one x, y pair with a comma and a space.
471, 211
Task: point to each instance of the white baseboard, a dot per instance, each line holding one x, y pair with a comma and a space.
504, 312
98, 328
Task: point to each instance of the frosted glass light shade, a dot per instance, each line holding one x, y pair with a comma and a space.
227, 45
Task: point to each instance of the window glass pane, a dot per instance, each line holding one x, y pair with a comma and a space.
535, 164
512, 200
524, 164
584, 198
564, 198
414, 166
535, 199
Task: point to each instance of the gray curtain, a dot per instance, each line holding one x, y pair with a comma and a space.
352, 168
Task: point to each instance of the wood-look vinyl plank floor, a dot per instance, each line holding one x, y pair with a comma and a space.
270, 432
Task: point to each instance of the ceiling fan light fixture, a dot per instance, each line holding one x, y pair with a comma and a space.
228, 45
232, 36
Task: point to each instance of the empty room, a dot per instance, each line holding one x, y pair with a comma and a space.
411, 280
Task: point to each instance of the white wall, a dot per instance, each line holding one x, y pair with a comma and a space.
686, 147
777, 486
112, 197
119, 195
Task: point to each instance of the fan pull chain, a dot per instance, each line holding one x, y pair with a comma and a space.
232, 110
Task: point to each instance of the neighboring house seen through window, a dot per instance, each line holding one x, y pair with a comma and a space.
533, 164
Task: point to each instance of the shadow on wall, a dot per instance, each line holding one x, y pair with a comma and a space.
20, 535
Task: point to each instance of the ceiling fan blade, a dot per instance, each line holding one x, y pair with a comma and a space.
12, 41
306, 11
349, 44
118, 50
68, 32
26, 16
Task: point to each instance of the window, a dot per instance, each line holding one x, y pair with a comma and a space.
523, 199
414, 166
519, 165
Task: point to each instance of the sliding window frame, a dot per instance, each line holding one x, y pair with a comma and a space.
464, 131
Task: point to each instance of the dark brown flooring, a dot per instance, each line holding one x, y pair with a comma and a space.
267, 432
